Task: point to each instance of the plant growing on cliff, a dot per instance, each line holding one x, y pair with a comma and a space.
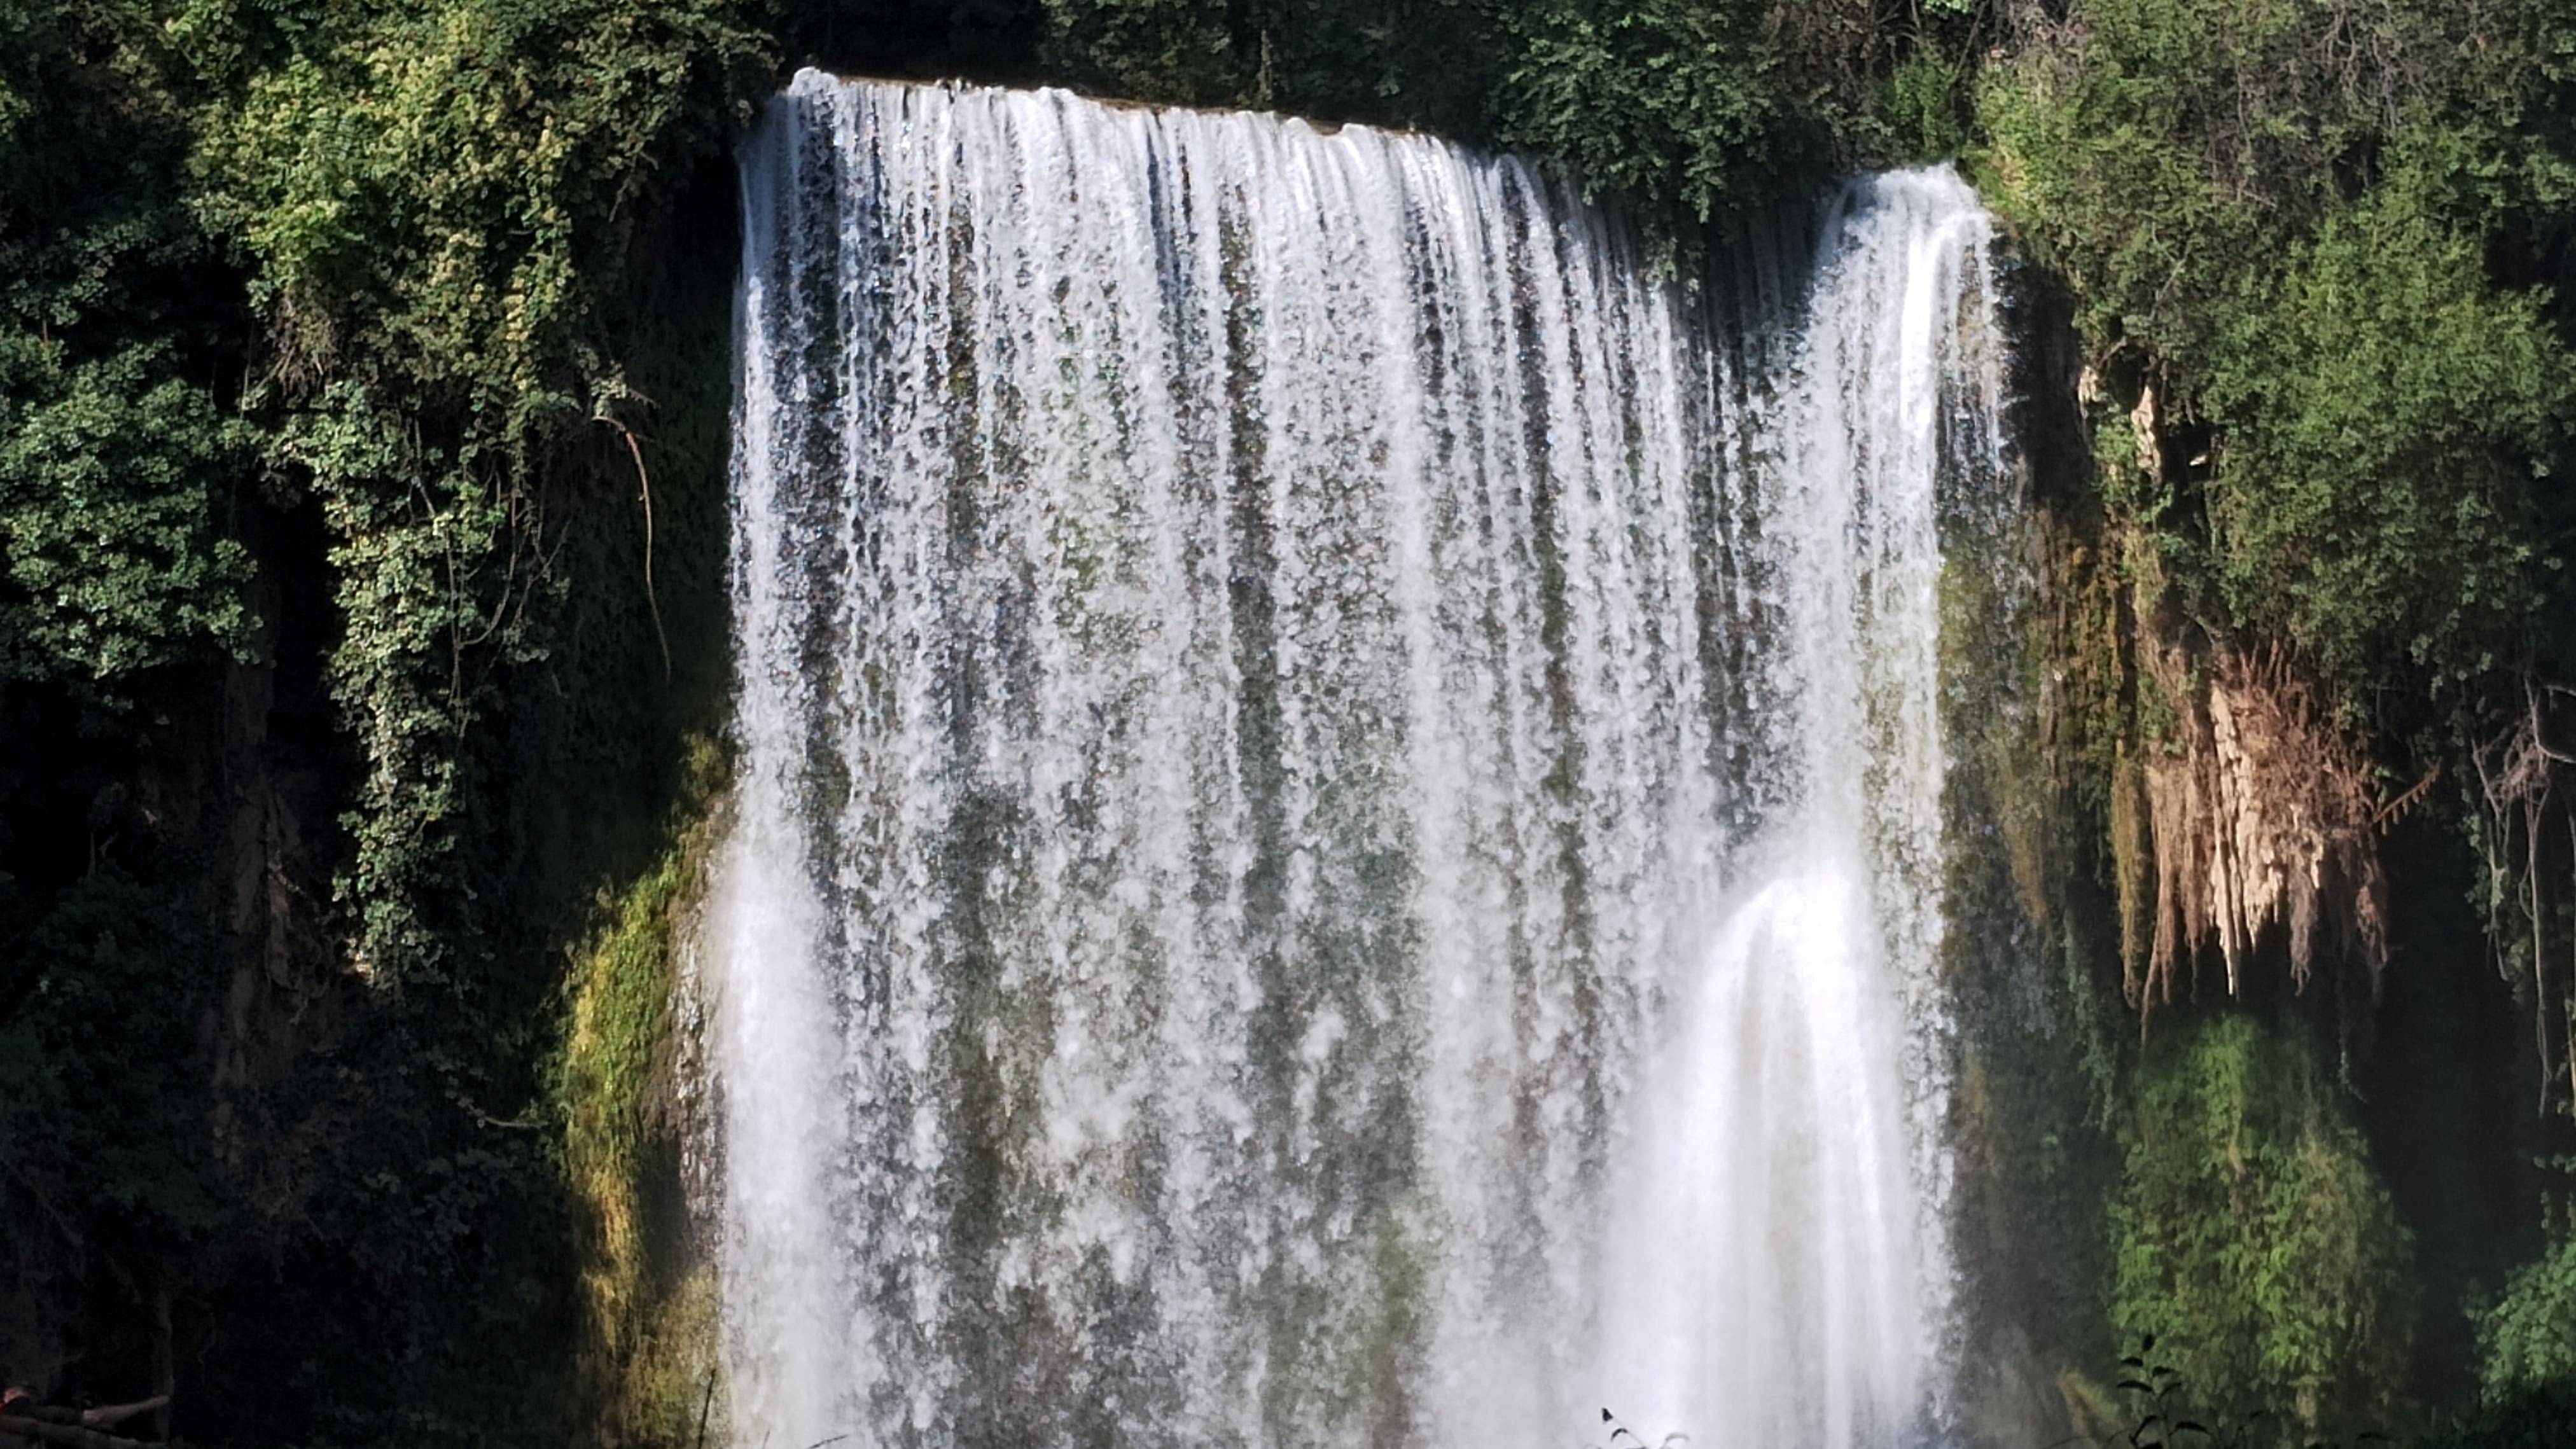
2526, 1332
1665, 99
2527, 1336
120, 467
2252, 1240
2296, 226
301, 338
2388, 416
432, 200
2312, 251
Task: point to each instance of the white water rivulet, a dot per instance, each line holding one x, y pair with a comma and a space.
1339, 834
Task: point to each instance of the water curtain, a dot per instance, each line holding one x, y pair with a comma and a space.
1339, 824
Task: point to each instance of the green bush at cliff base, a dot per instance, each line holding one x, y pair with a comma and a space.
2527, 1336
97, 1103
2541, 1419
2252, 1240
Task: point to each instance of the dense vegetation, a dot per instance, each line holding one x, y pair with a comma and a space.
315, 320
361, 430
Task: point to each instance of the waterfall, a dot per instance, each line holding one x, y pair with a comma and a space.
1338, 830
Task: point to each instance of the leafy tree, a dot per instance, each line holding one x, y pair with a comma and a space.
2385, 416
2156, 148
1673, 100
113, 480
1687, 105
2288, 217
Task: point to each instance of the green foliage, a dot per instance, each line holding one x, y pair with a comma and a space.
2289, 218
313, 321
1418, 63
96, 1098
2385, 413
2155, 147
2542, 1419
1922, 109
1686, 105
2252, 1240
435, 192
433, 199
113, 477
1675, 100
2527, 1335
118, 465
1180, 51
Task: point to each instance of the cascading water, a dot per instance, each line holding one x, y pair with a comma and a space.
1338, 836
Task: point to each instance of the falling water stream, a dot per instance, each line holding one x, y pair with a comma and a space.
1339, 830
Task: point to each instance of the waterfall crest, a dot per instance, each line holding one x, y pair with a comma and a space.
1339, 823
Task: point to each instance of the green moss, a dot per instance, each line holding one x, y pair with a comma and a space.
647, 1357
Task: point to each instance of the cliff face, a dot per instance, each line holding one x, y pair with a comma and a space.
336, 1207
2222, 978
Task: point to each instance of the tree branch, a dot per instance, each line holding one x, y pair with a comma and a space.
66, 1434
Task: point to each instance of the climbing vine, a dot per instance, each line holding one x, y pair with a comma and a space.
432, 199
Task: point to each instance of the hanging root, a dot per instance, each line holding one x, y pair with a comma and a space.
644, 482
2517, 776
2261, 815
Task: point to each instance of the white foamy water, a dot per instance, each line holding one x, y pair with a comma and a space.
1339, 834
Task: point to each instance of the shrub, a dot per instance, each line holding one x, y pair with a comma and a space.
2253, 1242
